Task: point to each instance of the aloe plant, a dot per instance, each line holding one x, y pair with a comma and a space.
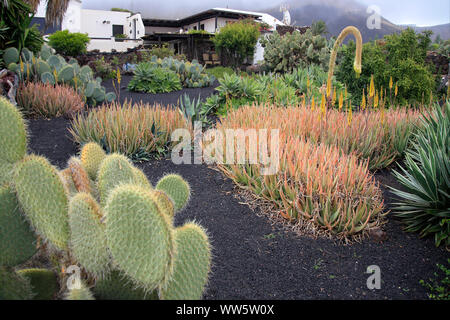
425, 205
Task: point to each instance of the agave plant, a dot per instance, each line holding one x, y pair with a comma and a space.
425, 205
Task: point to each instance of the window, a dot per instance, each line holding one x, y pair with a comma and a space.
202, 27
117, 29
195, 28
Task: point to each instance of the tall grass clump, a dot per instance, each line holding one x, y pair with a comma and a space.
424, 206
48, 101
136, 130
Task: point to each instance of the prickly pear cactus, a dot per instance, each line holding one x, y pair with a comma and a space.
33, 178
81, 293
88, 238
176, 188
192, 264
17, 240
92, 156
141, 239
115, 169
43, 282
13, 137
14, 286
118, 286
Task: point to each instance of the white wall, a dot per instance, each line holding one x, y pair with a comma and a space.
149, 30
210, 24
72, 18
99, 23
108, 45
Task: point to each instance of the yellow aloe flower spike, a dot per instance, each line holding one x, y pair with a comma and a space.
372, 87
396, 90
21, 65
341, 101
119, 77
357, 64
363, 103
391, 83
322, 104
375, 101
349, 115
312, 104
333, 101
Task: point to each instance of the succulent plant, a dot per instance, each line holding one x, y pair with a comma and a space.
43, 283
11, 55
102, 214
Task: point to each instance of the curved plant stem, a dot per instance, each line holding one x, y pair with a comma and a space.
357, 65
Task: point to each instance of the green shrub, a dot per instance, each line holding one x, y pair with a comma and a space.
218, 72
150, 79
103, 69
291, 51
191, 74
424, 206
400, 56
69, 44
236, 41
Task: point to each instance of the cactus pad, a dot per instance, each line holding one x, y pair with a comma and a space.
44, 284
141, 179
115, 169
14, 286
13, 137
81, 293
42, 195
88, 239
92, 156
80, 177
192, 264
140, 238
17, 240
176, 188
11, 55
119, 287
164, 203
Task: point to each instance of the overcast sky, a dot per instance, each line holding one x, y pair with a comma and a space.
419, 12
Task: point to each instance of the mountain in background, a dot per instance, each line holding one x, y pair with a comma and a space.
340, 14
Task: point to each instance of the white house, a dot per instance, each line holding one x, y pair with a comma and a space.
100, 25
175, 31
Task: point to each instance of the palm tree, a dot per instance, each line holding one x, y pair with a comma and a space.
55, 9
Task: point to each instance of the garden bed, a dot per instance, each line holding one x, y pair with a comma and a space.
170, 98
256, 259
